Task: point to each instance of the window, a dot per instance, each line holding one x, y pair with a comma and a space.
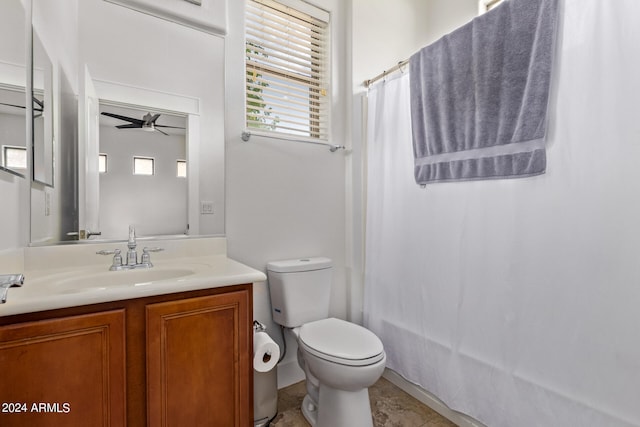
14, 157
487, 5
287, 69
102, 163
181, 168
143, 166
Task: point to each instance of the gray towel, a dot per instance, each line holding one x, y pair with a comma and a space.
479, 96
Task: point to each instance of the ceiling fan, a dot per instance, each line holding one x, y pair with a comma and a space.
37, 108
147, 123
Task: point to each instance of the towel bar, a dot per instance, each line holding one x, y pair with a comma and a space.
246, 135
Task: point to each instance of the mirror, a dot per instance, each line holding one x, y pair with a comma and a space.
93, 67
13, 73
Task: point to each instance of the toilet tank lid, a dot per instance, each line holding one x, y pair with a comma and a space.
300, 264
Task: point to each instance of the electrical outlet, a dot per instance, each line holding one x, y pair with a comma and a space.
206, 208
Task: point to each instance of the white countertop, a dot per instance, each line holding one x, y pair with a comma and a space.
50, 286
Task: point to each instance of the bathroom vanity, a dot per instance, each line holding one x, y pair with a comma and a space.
166, 352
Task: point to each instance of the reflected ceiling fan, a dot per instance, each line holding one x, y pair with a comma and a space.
147, 123
38, 107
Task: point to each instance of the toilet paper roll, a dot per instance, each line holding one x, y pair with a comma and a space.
265, 352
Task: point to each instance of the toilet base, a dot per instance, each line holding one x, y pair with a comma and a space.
309, 410
338, 408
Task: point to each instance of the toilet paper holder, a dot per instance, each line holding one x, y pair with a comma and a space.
258, 327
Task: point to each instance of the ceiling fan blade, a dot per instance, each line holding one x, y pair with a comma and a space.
40, 103
171, 127
164, 133
125, 118
129, 126
154, 118
12, 105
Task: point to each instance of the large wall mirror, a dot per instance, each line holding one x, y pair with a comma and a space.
84, 186
13, 84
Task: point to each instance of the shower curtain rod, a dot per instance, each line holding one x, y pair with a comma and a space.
384, 74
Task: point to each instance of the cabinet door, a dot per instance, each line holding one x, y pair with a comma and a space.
198, 362
64, 372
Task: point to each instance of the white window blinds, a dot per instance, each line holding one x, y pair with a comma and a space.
287, 69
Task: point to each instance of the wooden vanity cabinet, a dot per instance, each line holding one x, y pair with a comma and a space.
178, 360
197, 362
64, 371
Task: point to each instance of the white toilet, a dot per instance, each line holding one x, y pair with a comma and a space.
340, 359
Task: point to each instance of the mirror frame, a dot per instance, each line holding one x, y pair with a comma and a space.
43, 157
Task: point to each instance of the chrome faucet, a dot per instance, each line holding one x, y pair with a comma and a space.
8, 281
132, 255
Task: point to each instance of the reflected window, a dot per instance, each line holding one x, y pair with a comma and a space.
14, 157
102, 163
181, 168
143, 166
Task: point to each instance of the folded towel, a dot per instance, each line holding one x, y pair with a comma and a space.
479, 96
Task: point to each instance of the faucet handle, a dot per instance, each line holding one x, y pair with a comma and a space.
117, 258
152, 249
7, 281
146, 258
106, 252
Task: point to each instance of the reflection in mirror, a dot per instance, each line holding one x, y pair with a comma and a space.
42, 114
12, 129
143, 180
13, 149
54, 210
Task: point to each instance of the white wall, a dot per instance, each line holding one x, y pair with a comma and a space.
12, 42
285, 199
14, 191
156, 205
131, 48
12, 188
12, 127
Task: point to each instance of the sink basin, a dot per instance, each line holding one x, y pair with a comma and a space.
109, 279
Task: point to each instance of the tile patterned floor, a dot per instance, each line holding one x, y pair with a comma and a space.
390, 406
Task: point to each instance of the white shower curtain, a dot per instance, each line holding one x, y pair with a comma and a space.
518, 301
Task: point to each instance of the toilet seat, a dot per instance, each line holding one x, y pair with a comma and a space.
341, 342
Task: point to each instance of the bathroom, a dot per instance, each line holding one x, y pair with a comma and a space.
275, 199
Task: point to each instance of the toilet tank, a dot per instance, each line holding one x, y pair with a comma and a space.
300, 290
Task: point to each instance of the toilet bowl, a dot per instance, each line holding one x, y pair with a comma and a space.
344, 359
340, 359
